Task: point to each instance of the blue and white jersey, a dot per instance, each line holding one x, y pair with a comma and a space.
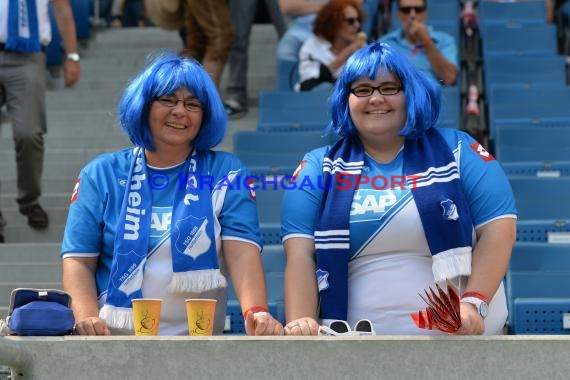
391, 261
96, 205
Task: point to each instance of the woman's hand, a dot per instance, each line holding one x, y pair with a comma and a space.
91, 326
262, 324
471, 322
305, 326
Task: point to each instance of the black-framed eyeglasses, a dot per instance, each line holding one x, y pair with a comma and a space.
191, 105
352, 20
363, 91
408, 10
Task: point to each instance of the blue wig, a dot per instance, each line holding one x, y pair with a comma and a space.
423, 95
163, 75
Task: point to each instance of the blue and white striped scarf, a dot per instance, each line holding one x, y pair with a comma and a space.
438, 195
23, 28
192, 241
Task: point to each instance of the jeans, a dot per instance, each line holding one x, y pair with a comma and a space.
243, 16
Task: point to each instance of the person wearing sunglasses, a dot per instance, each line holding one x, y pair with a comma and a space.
168, 218
434, 52
392, 207
336, 36
301, 15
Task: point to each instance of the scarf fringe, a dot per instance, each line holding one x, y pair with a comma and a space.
117, 317
197, 281
451, 263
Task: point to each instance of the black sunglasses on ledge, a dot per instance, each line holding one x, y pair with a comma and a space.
408, 10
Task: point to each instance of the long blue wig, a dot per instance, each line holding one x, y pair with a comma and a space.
423, 95
163, 75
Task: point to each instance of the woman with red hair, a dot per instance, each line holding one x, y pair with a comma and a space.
336, 36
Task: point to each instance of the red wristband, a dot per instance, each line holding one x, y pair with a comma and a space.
476, 295
254, 309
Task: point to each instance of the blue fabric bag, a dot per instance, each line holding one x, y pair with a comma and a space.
40, 312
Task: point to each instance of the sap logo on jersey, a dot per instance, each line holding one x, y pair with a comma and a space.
160, 220
371, 202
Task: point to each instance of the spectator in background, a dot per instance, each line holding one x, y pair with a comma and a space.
24, 35
133, 231
128, 13
302, 14
367, 238
205, 28
209, 34
433, 52
243, 16
336, 36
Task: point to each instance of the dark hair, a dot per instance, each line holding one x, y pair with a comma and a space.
163, 75
423, 95
331, 17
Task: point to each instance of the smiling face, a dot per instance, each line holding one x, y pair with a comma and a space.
172, 125
377, 117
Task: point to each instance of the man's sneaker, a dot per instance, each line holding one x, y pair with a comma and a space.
234, 109
37, 217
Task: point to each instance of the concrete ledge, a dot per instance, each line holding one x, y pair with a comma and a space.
505, 357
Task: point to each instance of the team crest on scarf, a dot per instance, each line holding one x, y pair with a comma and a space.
449, 210
194, 242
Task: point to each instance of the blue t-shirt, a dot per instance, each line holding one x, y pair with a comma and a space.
417, 55
390, 258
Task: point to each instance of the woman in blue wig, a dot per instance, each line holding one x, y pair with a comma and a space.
394, 206
168, 218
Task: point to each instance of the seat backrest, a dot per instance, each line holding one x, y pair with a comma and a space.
518, 12
524, 69
537, 168
542, 231
540, 256
541, 198
531, 141
500, 39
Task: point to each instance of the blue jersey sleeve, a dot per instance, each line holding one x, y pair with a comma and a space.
484, 182
302, 198
83, 228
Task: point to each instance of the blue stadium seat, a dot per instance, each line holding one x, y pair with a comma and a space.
278, 99
273, 261
537, 290
270, 233
541, 111
508, 93
269, 197
450, 108
540, 256
290, 111
516, 12
276, 153
526, 69
498, 39
287, 75
541, 198
543, 231
532, 141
